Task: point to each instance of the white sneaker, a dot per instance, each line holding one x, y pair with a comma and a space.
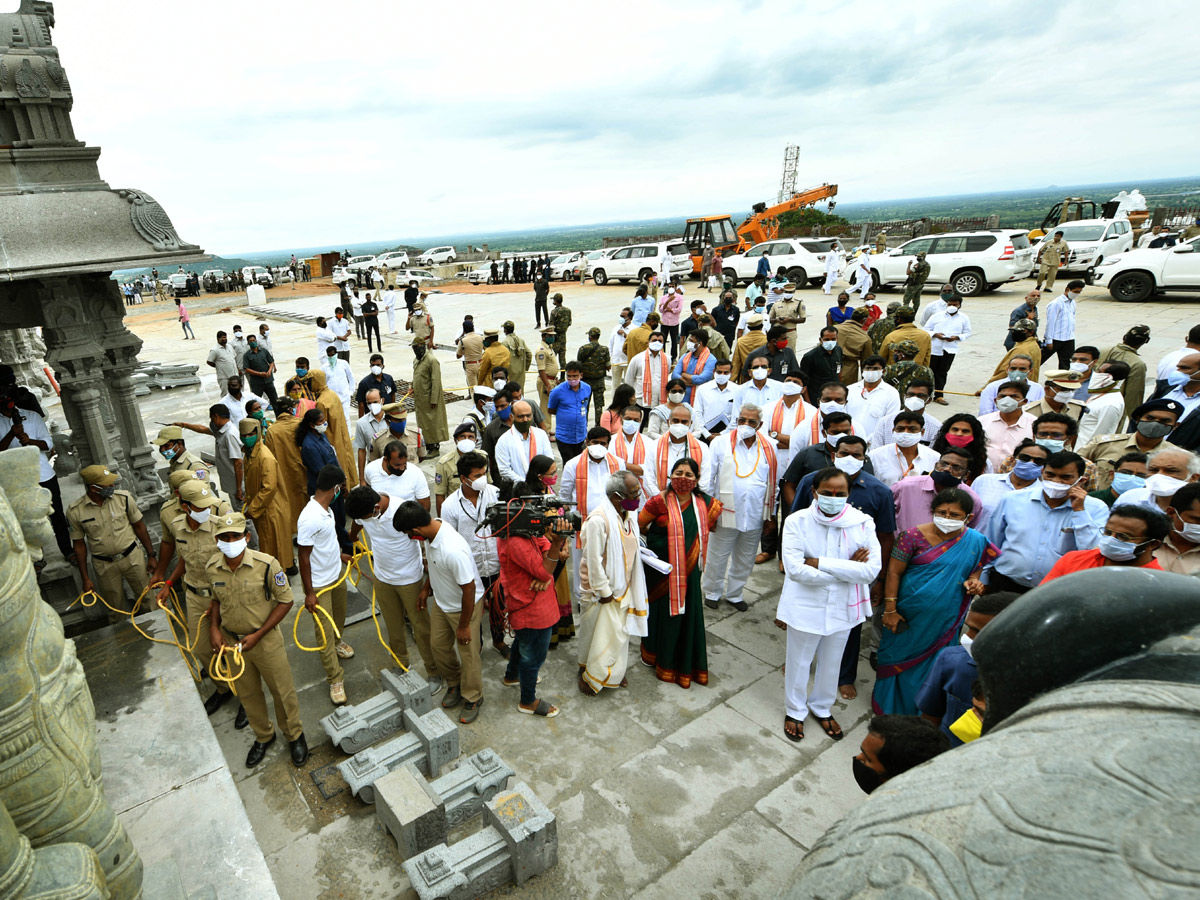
344, 650
337, 692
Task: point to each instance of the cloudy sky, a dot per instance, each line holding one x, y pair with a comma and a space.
261, 125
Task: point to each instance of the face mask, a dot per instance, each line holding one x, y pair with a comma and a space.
415, 537
504, 414
960, 440
745, 432
1051, 444
597, 452
1178, 379
721, 379
1007, 404
1161, 485
574, 382
250, 440
870, 376
1115, 550
1056, 490
168, 455
200, 517
300, 373
831, 506
759, 373
333, 360
1100, 381
621, 319
828, 345
232, 549
691, 347
549, 339
655, 346
629, 505
831, 406
1018, 375
549, 480
267, 332
397, 427
967, 727
498, 384
465, 446
375, 408
675, 396
320, 429
945, 480
253, 346
376, 370
866, 777
683, 484
1073, 295
905, 438
1061, 397
965, 639
678, 430
1127, 481
834, 439
1189, 532
419, 350
948, 525
914, 404
781, 344
759, 309
630, 426
1154, 430
849, 464
479, 484
1029, 471
522, 427
1079, 367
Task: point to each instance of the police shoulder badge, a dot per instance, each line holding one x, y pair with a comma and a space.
437, 479
202, 473
280, 579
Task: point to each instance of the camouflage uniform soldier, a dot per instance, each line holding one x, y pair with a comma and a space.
904, 370
594, 358
918, 272
884, 326
560, 318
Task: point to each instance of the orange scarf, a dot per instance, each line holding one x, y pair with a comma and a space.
777, 416
694, 451
581, 480
677, 549
648, 382
701, 362
639, 449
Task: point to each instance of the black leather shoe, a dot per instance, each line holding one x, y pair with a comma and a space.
216, 701
299, 748
241, 720
257, 752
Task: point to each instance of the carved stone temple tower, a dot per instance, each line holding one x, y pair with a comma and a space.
63, 232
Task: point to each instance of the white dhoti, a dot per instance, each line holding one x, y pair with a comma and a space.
862, 282
732, 551
830, 277
611, 566
802, 649
391, 320
603, 645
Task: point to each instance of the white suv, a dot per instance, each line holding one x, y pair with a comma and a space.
970, 261
360, 263
396, 259
640, 260
1089, 241
803, 260
257, 275
561, 267
435, 255
1140, 274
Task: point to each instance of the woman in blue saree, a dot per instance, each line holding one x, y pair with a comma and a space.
933, 573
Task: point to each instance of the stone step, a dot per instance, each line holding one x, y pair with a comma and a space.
162, 881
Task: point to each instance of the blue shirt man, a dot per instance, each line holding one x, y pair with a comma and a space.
641, 307
764, 266
947, 689
569, 402
689, 364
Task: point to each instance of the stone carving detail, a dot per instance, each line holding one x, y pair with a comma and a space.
150, 220
28, 83
30, 501
36, 103
49, 763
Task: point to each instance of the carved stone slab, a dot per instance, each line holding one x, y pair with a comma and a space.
353, 728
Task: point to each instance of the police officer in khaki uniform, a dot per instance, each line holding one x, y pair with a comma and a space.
789, 312
1052, 255
250, 598
1064, 383
495, 356
193, 538
470, 351
445, 479
547, 366
112, 524
170, 510
1152, 422
396, 416
174, 450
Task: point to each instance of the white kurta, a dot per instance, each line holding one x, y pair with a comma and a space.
761, 393
635, 373
741, 481
798, 417
944, 323
513, 452
890, 466
866, 408
675, 451
611, 567
713, 405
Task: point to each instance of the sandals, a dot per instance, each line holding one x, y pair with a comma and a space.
796, 736
470, 711
543, 709
831, 727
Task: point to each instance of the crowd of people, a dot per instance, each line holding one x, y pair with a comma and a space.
726, 444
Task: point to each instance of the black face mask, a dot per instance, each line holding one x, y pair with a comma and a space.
868, 779
945, 480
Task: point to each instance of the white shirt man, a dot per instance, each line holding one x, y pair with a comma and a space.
396, 560
408, 483
760, 392
987, 398
883, 431
833, 266
871, 401
664, 268
675, 444
633, 450
1105, 410
616, 348
1060, 318
743, 475
465, 516
890, 464
652, 360
237, 405
340, 380
951, 325
325, 340
1170, 362
863, 278
315, 528
583, 483
388, 305
514, 451
341, 333
714, 404
782, 417
35, 429
367, 429
239, 346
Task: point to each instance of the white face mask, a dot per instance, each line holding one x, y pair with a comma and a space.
376, 370
791, 389
1189, 532
655, 346
834, 439
906, 438
831, 406
831, 506
849, 464
691, 347
1100, 381
466, 445
596, 452
678, 430
630, 426
1161, 485
721, 379
320, 429
675, 396
914, 404
760, 374
1056, 490
946, 524
952, 310
870, 376
232, 549
200, 516
745, 432
375, 408
1060, 396
1007, 404
1079, 367
479, 484
828, 345
498, 384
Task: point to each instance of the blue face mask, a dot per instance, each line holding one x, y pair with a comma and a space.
1127, 481
300, 373
397, 427
1116, 550
1030, 471
505, 414
1178, 379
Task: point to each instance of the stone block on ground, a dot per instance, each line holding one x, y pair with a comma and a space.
352, 728
410, 811
528, 828
438, 734
431, 742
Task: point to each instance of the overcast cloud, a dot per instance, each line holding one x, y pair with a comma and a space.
260, 125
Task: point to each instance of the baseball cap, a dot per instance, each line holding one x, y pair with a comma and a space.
167, 434
232, 521
197, 494
99, 475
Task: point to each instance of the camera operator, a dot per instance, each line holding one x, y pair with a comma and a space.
527, 573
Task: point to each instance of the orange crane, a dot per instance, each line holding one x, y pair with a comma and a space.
761, 225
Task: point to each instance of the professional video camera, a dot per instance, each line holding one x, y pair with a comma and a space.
529, 516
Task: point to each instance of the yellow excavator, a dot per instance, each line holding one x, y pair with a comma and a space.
761, 225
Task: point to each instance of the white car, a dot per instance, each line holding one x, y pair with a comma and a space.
478, 275
969, 261
1090, 241
803, 260
396, 259
258, 275
561, 267
1140, 274
178, 283
593, 260
640, 260
435, 255
420, 276
342, 274
360, 263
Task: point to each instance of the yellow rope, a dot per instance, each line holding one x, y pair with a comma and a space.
365, 551
221, 669
317, 624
